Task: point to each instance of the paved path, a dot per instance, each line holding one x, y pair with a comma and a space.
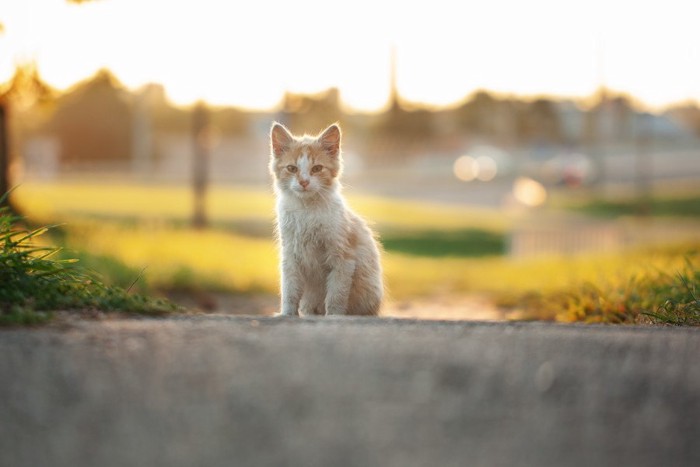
236, 391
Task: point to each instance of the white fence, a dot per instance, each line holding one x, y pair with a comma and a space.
584, 236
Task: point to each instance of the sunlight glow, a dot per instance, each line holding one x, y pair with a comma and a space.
487, 168
529, 192
466, 168
249, 54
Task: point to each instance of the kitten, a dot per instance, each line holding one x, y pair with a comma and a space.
330, 258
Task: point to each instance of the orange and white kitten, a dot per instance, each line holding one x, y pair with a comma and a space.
330, 259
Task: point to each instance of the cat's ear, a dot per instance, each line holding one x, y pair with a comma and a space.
330, 140
280, 138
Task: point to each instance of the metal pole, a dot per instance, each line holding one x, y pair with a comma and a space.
200, 163
643, 165
4, 154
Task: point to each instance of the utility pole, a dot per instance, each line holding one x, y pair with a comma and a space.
394, 105
601, 121
4, 149
643, 164
200, 164
4, 154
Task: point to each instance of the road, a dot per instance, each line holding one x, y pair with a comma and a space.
244, 391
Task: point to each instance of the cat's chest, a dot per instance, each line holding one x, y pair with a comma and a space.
307, 232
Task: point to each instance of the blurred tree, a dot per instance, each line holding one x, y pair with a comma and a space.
164, 116
231, 121
402, 131
302, 112
5, 98
508, 121
407, 124
538, 122
608, 121
688, 115
610, 118
93, 122
474, 114
24, 101
622, 108
486, 116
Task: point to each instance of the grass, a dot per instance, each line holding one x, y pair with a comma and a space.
113, 225
34, 283
451, 243
680, 295
648, 295
430, 249
688, 206
238, 206
178, 257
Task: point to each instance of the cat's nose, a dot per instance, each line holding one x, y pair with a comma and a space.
303, 183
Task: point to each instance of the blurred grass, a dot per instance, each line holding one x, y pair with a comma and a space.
137, 203
230, 206
182, 258
450, 243
688, 206
121, 229
135, 233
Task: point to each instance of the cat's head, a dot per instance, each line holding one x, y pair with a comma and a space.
305, 166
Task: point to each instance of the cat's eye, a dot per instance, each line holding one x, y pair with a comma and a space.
316, 169
292, 168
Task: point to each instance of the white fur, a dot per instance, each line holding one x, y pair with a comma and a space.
329, 257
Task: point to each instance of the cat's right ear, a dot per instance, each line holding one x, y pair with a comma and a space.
280, 138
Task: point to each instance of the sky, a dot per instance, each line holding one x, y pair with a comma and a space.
248, 54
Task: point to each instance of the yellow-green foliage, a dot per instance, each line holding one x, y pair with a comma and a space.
509, 279
629, 287
663, 289
148, 202
146, 227
224, 204
33, 283
178, 257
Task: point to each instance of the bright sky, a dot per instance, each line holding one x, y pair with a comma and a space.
248, 53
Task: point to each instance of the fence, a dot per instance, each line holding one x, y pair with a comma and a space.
568, 238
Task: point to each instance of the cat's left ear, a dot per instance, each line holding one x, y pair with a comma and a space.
330, 140
280, 138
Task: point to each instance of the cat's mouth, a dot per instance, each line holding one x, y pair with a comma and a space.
303, 191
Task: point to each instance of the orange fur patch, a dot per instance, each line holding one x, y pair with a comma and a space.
317, 155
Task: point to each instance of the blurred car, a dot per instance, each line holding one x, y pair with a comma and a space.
482, 163
570, 169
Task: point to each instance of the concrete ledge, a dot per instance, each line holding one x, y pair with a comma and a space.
225, 390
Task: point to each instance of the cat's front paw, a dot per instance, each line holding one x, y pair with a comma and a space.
282, 314
336, 311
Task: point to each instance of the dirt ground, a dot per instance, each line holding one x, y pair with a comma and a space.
442, 307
